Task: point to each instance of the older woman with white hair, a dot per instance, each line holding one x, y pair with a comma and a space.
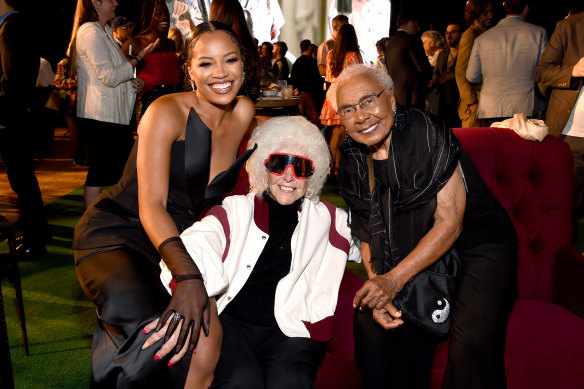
425, 216
274, 259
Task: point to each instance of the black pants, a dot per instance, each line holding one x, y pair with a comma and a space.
15, 148
126, 289
403, 358
484, 300
395, 359
257, 357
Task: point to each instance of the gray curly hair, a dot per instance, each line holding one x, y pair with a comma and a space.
435, 37
288, 131
380, 75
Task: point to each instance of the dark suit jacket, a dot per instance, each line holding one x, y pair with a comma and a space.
19, 69
565, 48
281, 73
305, 75
409, 68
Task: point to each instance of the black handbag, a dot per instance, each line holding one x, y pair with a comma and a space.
427, 300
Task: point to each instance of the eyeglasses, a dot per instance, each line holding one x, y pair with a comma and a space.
367, 103
278, 163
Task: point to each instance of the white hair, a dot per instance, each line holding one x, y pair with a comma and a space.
282, 132
379, 75
435, 37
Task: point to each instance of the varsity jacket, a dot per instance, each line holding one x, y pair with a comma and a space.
227, 243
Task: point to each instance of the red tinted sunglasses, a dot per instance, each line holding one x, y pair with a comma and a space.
278, 163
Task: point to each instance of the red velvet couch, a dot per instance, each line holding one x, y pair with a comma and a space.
545, 335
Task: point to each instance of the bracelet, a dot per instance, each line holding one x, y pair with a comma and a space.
186, 277
138, 59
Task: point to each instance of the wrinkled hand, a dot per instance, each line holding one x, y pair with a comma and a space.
138, 84
388, 317
189, 300
378, 292
578, 70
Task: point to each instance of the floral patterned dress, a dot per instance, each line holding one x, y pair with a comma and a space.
328, 115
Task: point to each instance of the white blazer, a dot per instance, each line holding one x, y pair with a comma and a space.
104, 89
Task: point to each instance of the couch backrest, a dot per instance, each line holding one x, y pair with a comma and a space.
533, 181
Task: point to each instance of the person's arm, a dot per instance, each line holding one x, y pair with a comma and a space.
468, 95
92, 44
366, 257
138, 50
474, 71
551, 70
321, 59
381, 290
159, 129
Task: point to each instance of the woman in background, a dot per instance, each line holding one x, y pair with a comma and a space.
345, 52
106, 92
160, 69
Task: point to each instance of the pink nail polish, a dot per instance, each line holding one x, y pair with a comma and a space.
144, 331
170, 364
194, 351
156, 357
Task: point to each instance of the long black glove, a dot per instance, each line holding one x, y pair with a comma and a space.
189, 300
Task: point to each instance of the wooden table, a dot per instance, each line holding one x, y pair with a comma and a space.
275, 106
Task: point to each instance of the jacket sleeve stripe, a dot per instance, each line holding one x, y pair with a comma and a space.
335, 238
220, 214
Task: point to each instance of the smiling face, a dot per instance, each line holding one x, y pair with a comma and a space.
161, 18
216, 67
286, 189
373, 126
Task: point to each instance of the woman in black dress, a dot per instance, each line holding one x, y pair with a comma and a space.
428, 199
183, 161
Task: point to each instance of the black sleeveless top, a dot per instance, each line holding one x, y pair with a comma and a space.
113, 220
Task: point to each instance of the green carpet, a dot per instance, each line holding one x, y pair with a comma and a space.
59, 318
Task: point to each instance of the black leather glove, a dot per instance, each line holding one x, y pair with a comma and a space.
189, 300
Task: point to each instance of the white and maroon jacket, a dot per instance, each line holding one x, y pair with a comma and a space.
226, 244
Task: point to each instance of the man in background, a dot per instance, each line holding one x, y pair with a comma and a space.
479, 16
308, 81
280, 67
407, 63
504, 60
19, 69
122, 29
448, 91
562, 69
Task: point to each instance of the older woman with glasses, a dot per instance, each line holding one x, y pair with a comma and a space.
427, 203
275, 259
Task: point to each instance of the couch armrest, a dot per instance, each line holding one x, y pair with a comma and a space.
568, 280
